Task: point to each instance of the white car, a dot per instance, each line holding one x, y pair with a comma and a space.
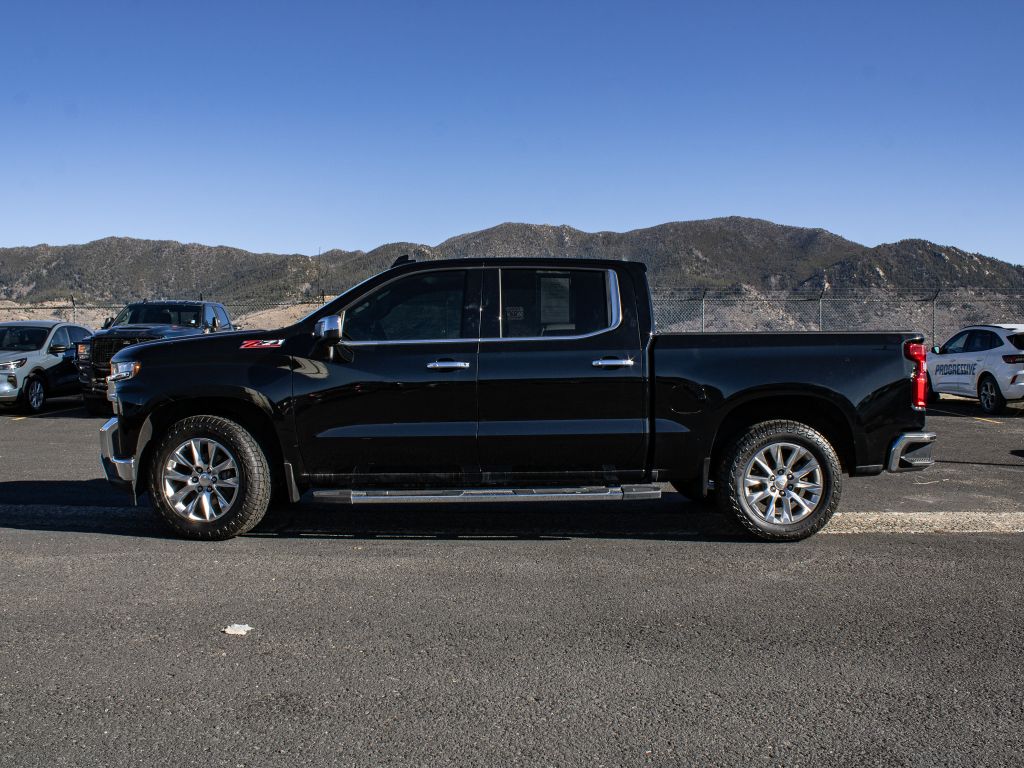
982, 361
37, 360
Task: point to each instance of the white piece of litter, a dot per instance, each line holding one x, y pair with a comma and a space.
237, 629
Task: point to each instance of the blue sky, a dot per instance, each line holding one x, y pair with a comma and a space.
293, 126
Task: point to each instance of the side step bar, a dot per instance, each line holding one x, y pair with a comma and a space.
479, 495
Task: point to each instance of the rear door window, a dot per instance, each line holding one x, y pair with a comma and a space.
982, 341
540, 303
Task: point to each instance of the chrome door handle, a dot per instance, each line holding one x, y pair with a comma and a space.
447, 365
606, 363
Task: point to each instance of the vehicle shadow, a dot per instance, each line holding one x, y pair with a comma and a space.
962, 408
672, 518
67, 408
93, 506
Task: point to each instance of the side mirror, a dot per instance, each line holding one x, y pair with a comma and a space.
328, 332
214, 324
936, 350
58, 349
328, 329
108, 322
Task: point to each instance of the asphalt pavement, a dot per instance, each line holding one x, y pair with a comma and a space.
634, 634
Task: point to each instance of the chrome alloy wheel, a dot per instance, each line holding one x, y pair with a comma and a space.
987, 394
36, 394
200, 480
782, 483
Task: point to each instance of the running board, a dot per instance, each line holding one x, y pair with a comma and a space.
480, 495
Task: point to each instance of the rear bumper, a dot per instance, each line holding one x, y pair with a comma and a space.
911, 452
118, 469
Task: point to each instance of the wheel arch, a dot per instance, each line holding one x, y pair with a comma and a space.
816, 411
253, 417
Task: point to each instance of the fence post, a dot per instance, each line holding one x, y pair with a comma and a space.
74, 311
821, 298
703, 297
935, 300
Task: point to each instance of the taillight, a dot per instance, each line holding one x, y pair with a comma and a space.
1014, 359
915, 350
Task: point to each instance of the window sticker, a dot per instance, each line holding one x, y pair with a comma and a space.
515, 313
554, 301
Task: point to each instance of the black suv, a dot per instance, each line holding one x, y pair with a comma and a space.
145, 321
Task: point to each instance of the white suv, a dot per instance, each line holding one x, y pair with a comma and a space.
982, 361
37, 360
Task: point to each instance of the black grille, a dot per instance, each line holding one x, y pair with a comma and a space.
104, 348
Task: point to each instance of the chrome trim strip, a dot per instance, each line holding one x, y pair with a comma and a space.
616, 314
478, 495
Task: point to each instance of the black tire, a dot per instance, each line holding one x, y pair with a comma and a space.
253, 478
98, 406
990, 398
33, 395
732, 472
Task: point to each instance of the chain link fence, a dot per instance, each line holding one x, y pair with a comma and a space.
937, 314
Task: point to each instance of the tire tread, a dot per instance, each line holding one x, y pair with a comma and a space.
728, 498
258, 486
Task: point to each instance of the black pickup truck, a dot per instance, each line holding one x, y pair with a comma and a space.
510, 380
144, 321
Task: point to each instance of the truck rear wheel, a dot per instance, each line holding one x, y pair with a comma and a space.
209, 479
781, 480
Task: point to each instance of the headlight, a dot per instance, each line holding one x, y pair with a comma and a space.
10, 365
124, 371
84, 350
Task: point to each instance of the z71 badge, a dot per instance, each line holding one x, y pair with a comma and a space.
261, 343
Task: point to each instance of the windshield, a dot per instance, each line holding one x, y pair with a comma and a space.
159, 314
20, 338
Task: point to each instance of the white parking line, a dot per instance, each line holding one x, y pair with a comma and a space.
977, 521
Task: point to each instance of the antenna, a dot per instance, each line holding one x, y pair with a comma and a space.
405, 258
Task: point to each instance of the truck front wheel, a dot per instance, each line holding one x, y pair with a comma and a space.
781, 480
209, 479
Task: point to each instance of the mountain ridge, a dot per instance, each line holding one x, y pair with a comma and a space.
728, 253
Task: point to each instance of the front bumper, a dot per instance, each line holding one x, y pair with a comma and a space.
10, 385
911, 452
93, 384
119, 470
